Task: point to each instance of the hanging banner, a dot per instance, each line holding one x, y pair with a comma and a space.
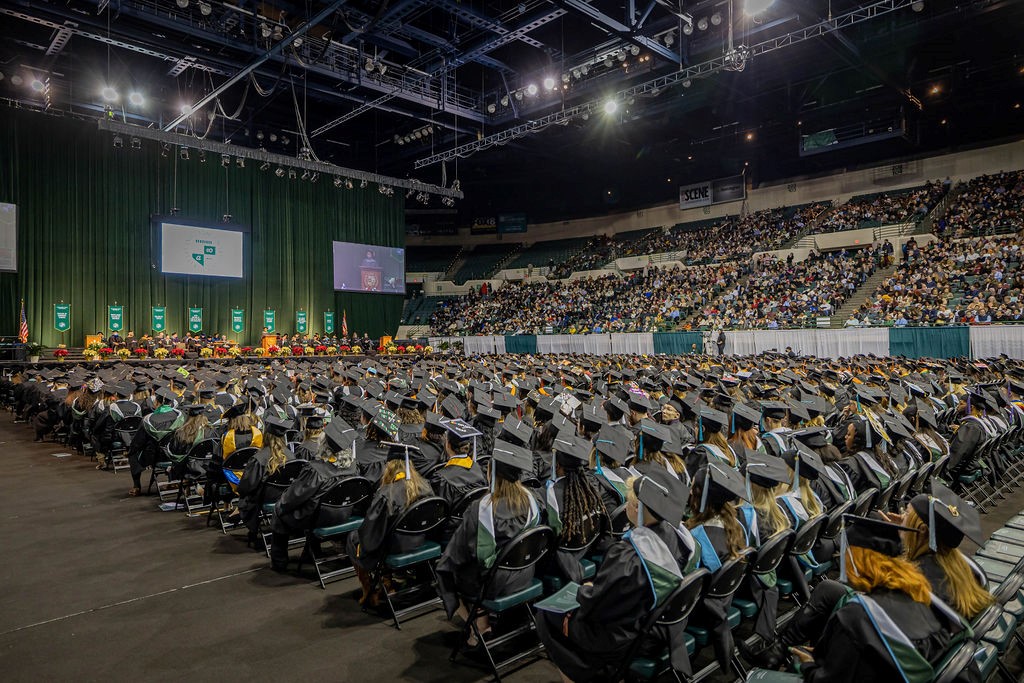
301, 322
159, 318
268, 320
115, 318
195, 320
62, 317
329, 322
237, 320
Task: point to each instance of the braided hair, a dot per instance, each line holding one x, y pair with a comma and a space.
583, 512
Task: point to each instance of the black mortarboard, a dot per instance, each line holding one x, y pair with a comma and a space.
745, 416
613, 441
798, 410
774, 409
615, 407
513, 456
767, 470
656, 493
654, 434
339, 435
873, 534
315, 422
487, 412
517, 431
948, 517
590, 415
802, 457
570, 450
713, 420
815, 437
194, 408
718, 484
453, 408
277, 426
166, 394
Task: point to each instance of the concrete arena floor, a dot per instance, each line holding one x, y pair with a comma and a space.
97, 585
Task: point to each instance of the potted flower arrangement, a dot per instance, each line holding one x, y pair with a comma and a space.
247, 351
206, 352
234, 352
259, 352
141, 353
178, 353
344, 348
124, 353
428, 349
391, 348
332, 350
161, 352
285, 351
357, 349
419, 348
309, 351
33, 349
382, 349
296, 350
220, 351
89, 354
320, 349
94, 347
61, 353
400, 349
274, 349
105, 352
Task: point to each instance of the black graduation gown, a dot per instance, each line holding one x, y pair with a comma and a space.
429, 453
299, 506
145, 450
309, 449
451, 482
610, 614
850, 649
251, 489
368, 546
963, 449
714, 613
370, 459
459, 571
566, 563
609, 494
935, 575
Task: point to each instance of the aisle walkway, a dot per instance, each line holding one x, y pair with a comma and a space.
96, 585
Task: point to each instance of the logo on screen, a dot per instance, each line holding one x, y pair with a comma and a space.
199, 258
210, 251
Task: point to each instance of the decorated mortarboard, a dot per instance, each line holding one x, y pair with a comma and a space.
387, 422
513, 456
949, 517
766, 470
460, 430
660, 496
718, 484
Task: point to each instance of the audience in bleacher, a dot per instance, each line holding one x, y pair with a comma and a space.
781, 293
954, 282
894, 207
985, 203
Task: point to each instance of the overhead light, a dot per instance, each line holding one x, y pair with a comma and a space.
225, 160
183, 4
202, 156
670, 38
611, 106
273, 137
136, 99
265, 165
297, 42
566, 78
936, 89
278, 32
754, 7
491, 108
363, 183
265, 30
136, 143
205, 9
369, 66
519, 95
118, 141
279, 172
608, 62
315, 177
292, 175
749, 136
702, 24
38, 85
943, 122
917, 6
165, 149
688, 29
531, 89
687, 82
585, 69
337, 181
716, 19
186, 110
348, 183
183, 153
305, 175
382, 68
108, 94
621, 56
576, 73
240, 162
285, 140
504, 100
635, 50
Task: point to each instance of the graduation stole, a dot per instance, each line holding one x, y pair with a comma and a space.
554, 514
911, 664
708, 556
486, 543
464, 463
933, 446
614, 480
778, 441
749, 521
838, 478
691, 544
869, 460
796, 508
720, 454
660, 567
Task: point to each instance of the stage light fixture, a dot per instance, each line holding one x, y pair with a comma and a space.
348, 183
225, 160
118, 142
702, 24
491, 108
566, 77
240, 162
108, 94
273, 137
382, 68
519, 95
635, 50
202, 156
136, 99
687, 82
278, 32
621, 56
305, 175
38, 85
754, 7
186, 110
917, 6
688, 29
504, 100
363, 184
165, 149
369, 66
315, 177
749, 136
716, 19
337, 181
183, 4
136, 143
226, 218
531, 89
549, 83
585, 69
292, 175
279, 172
297, 43
608, 62
936, 89
409, 193
670, 38
265, 30
205, 9
183, 153
610, 107
17, 80
265, 165
285, 140
576, 73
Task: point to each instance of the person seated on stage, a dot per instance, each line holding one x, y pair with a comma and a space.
266, 462
883, 625
242, 431
588, 642
487, 526
575, 510
299, 508
460, 473
146, 449
401, 486
115, 341
942, 520
715, 525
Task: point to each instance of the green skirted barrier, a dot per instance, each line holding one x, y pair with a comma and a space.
933, 342
521, 343
677, 343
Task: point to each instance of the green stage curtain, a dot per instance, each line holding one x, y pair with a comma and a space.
677, 343
85, 236
521, 343
931, 342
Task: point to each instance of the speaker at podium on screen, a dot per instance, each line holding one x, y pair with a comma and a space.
370, 273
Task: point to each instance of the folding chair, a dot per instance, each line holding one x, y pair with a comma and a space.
764, 561
922, 477
863, 502
673, 611
723, 585
224, 493
902, 488
954, 663
520, 554
829, 532
341, 501
806, 536
124, 434
163, 466
273, 488
554, 583
881, 502
194, 475
420, 518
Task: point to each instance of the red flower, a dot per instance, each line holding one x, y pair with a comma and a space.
106, 350
344, 348
273, 348
419, 347
296, 350
60, 353
178, 352
401, 349
220, 350
141, 353
321, 348
381, 348
246, 349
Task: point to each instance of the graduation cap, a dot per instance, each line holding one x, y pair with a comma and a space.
510, 457
515, 430
815, 437
460, 430
718, 484
657, 495
570, 451
277, 426
386, 421
949, 518
315, 422
166, 394
505, 403
798, 410
124, 389
400, 451
774, 409
872, 534
615, 407
613, 441
803, 461
486, 411
711, 420
745, 416
591, 415
194, 408
339, 435
766, 470
639, 402
547, 408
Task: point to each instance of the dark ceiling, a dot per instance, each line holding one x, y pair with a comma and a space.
458, 72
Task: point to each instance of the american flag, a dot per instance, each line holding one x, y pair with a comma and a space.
23, 328
344, 324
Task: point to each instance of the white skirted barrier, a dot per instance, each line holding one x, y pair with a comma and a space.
597, 344
810, 342
988, 342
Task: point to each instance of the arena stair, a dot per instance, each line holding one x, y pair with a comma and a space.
857, 300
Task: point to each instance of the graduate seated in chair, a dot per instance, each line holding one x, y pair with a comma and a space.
586, 644
487, 526
883, 624
461, 473
266, 462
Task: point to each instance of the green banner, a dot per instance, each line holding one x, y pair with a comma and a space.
237, 320
268, 320
195, 320
329, 322
115, 318
159, 318
301, 322
62, 317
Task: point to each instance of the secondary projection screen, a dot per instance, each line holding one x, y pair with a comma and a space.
369, 268
195, 250
8, 237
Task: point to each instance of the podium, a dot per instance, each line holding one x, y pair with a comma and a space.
371, 278
268, 341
